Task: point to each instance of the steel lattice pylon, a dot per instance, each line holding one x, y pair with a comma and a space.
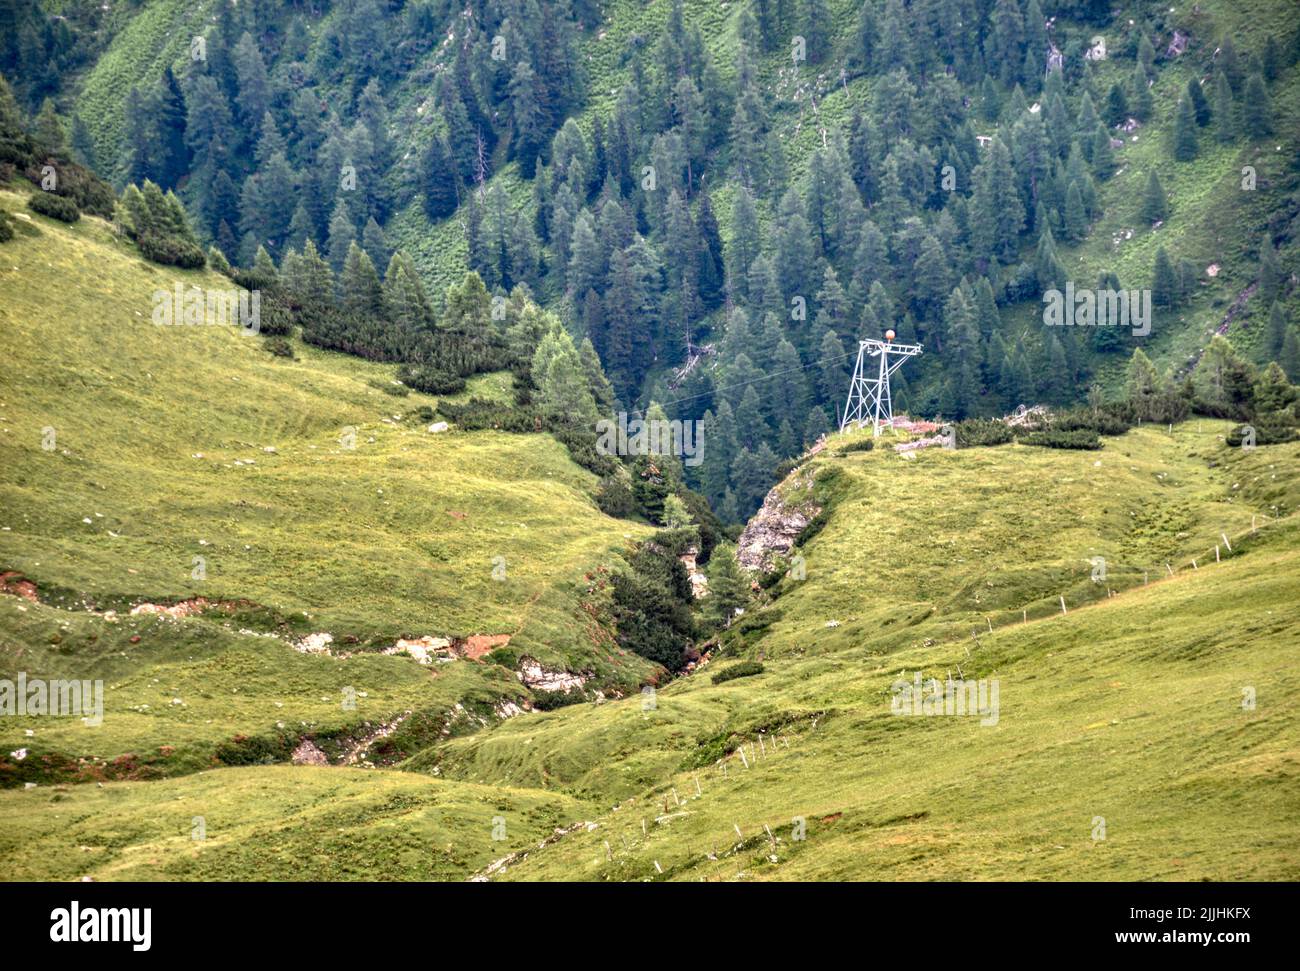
869, 398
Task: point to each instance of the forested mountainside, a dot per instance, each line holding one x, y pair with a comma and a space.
722, 198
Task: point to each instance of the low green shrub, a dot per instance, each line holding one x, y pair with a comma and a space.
745, 669
551, 700
1080, 438
55, 206
983, 432
430, 380
861, 445
614, 497
1104, 422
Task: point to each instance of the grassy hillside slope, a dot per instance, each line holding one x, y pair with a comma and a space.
175, 443
1161, 718
1128, 708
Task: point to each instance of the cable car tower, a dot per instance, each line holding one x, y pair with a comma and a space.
869, 397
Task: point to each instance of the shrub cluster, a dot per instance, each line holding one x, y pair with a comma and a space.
55, 206
159, 226
974, 432
745, 669
430, 380
861, 445
1080, 438
652, 606
551, 700
1105, 419
614, 497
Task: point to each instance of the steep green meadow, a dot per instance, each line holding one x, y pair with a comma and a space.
1163, 715
1147, 731
1128, 708
190, 462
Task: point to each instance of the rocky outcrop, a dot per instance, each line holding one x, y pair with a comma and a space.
307, 753
532, 674
777, 524
424, 649
699, 582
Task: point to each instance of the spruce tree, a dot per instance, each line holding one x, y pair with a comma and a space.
1103, 157
1256, 109
1116, 105
1155, 207
1277, 330
1184, 131
438, 180
361, 294
1200, 105
1141, 102
1076, 218
1225, 128
1164, 282
1270, 272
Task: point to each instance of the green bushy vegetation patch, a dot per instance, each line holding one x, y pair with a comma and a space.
745, 669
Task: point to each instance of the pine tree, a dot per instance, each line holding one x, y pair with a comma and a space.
1256, 109
254, 96
1290, 357
300, 228
1116, 105
1076, 217
140, 143
50, 137
1146, 56
1270, 272
438, 180
816, 426
563, 394
1277, 330
1225, 128
1164, 283
727, 590
527, 117
1200, 105
1155, 207
1004, 45
342, 235
1222, 381
1103, 158
361, 295
1185, 131
1141, 101
817, 24
997, 213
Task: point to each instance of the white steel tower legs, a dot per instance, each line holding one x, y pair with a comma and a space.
869, 397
